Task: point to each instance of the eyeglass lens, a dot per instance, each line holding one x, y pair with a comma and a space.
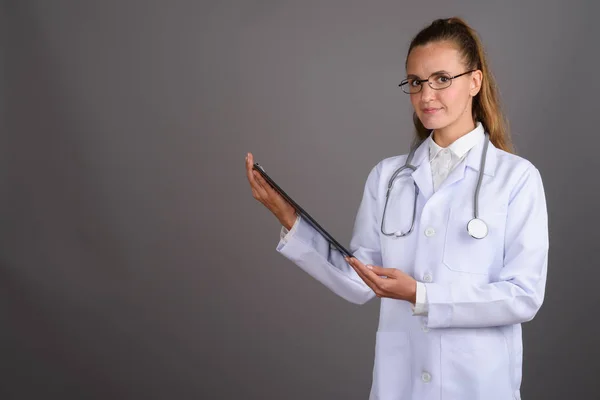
436, 81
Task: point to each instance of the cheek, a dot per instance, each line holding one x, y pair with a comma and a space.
454, 100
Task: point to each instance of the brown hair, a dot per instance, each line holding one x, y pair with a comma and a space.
486, 104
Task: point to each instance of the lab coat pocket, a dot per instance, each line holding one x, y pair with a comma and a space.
391, 372
476, 365
463, 253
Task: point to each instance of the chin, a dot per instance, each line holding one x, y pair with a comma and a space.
431, 122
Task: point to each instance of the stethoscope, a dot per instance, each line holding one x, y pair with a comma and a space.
476, 227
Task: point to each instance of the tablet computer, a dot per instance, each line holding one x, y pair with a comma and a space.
302, 212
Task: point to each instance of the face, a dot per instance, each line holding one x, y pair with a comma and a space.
449, 107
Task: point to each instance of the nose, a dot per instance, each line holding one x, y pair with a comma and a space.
427, 93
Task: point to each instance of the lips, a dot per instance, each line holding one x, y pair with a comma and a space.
431, 110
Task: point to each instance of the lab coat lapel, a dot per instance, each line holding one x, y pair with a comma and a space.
473, 161
457, 174
422, 175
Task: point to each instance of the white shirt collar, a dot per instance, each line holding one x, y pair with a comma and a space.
460, 146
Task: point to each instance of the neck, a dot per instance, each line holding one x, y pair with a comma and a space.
444, 137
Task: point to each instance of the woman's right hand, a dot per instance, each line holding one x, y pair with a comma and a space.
263, 192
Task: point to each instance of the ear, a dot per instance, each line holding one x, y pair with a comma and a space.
476, 79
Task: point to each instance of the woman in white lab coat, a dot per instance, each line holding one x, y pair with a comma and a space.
452, 304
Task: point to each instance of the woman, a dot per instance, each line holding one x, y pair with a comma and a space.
454, 289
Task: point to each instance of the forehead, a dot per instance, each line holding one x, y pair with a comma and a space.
432, 57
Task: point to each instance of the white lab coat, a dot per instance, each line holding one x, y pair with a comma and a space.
469, 346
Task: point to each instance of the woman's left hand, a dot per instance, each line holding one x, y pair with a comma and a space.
386, 282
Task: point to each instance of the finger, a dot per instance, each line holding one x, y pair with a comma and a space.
365, 279
361, 273
260, 192
249, 169
380, 271
377, 289
265, 185
368, 272
350, 261
255, 178
258, 179
268, 191
257, 195
257, 189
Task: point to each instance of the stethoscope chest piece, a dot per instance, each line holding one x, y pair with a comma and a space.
477, 228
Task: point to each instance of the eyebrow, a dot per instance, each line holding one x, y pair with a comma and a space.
435, 73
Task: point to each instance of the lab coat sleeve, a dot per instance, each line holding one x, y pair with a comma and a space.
308, 249
518, 292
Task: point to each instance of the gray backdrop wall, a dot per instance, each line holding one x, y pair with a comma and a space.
134, 262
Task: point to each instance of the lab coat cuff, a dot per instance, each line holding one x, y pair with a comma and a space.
439, 304
420, 306
301, 231
285, 233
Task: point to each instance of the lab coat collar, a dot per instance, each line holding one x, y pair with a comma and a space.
474, 158
460, 146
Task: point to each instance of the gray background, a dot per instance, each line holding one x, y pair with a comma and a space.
134, 262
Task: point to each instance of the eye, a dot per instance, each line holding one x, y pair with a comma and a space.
442, 79
414, 82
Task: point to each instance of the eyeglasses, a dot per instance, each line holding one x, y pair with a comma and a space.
437, 81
